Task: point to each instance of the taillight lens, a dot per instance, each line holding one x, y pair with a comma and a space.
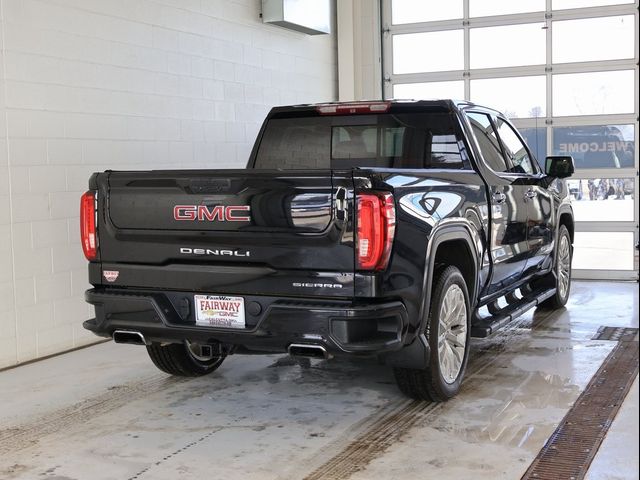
352, 108
88, 235
376, 227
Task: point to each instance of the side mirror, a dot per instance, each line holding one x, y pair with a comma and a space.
559, 166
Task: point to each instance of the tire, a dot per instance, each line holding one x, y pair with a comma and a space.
448, 358
181, 360
561, 271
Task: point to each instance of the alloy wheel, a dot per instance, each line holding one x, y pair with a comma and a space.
452, 333
564, 266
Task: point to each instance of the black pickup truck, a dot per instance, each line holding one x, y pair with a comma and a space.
389, 229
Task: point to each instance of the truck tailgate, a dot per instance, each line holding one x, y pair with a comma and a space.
228, 230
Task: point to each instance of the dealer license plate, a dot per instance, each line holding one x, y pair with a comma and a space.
219, 311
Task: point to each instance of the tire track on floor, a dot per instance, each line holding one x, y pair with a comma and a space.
385, 427
25, 435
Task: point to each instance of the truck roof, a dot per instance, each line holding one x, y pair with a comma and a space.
380, 106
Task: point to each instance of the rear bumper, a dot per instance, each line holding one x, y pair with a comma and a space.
341, 327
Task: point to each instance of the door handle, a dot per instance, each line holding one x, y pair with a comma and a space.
499, 197
529, 194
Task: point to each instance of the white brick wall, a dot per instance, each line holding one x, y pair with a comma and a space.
87, 85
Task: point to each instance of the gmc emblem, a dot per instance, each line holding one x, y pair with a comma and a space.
219, 213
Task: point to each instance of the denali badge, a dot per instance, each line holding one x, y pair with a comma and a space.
219, 213
216, 251
110, 275
316, 285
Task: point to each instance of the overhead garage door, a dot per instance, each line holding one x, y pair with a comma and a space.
565, 71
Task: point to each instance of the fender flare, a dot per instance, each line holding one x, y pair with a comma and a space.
564, 208
416, 355
459, 229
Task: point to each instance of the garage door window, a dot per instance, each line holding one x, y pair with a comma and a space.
525, 46
506, 95
597, 146
483, 8
410, 11
596, 93
586, 40
428, 52
428, 90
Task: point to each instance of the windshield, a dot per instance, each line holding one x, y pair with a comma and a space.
416, 140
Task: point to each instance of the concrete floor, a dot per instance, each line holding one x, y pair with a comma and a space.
106, 413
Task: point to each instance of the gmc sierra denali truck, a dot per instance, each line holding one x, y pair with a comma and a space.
389, 229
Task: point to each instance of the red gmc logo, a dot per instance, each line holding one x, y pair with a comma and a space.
219, 213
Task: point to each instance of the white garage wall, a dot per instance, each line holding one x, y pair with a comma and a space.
87, 85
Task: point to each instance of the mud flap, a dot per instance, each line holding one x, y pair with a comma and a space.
415, 355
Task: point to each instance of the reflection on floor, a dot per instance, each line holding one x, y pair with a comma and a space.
105, 412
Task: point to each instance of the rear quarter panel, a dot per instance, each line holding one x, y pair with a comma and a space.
424, 200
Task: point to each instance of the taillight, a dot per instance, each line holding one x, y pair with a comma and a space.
88, 235
352, 108
376, 225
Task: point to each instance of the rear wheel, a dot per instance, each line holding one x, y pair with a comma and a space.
562, 271
448, 335
186, 359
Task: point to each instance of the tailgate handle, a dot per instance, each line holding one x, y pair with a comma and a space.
210, 185
341, 204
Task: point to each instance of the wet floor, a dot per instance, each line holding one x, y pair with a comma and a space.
106, 413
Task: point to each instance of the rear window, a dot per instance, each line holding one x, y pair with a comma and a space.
422, 140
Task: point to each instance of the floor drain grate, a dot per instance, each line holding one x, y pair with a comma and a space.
571, 448
616, 334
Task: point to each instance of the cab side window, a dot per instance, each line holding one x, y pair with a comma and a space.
487, 141
445, 153
515, 150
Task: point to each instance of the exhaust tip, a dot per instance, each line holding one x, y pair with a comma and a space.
307, 350
129, 336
